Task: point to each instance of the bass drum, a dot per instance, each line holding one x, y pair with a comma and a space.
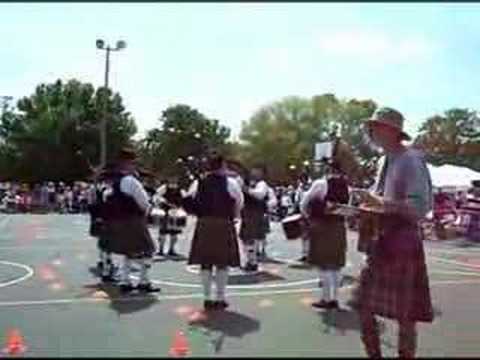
293, 226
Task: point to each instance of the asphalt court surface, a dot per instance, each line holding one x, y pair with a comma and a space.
49, 291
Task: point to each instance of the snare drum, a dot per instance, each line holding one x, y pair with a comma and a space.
155, 215
293, 226
179, 218
173, 222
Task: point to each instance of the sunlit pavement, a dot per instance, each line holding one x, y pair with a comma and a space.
50, 293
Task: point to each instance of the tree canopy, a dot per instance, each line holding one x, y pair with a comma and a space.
182, 139
283, 134
54, 133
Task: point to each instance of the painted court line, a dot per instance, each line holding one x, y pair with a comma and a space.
199, 295
457, 263
28, 269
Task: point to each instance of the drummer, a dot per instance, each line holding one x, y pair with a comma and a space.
169, 196
253, 230
327, 232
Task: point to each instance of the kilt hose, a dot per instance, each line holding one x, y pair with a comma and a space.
395, 287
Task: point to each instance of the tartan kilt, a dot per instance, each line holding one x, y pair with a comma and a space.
328, 242
395, 288
168, 226
252, 227
214, 243
129, 237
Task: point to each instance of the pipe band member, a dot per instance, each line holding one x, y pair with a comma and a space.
327, 232
126, 223
394, 283
299, 196
170, 198
253, 230
216, 200
97, 210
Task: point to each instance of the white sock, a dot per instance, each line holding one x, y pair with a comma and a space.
221, 280
107, 264
304, 246
173, 241
126, 271
326, 286
161, 242
335, 276
102, 257
251, 254
144, 266
206, 276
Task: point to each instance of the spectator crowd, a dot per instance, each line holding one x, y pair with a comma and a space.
46, 197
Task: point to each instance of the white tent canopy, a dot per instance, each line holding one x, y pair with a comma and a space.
452, 176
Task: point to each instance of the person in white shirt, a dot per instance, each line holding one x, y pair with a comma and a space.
299, 195
253, 230
216, 200
169, 197
126, 214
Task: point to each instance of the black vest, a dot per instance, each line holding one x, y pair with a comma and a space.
120, 206
337, 192
173, 196
254, 204
213, 198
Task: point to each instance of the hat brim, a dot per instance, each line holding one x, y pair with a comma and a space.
371, 122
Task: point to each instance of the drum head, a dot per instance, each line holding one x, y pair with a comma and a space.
292, 218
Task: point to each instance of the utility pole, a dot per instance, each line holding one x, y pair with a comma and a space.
103, 125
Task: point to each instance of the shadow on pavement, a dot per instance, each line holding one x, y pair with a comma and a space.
131, 303
120, 303
219, 325
269, 260
301, 265
256, 278
340, 321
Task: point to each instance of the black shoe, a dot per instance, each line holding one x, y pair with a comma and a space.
251, 267
303, 259
160, 253
110, 278
322, 304
172, 253
149, 288
220, 305
208, 304
333, 304
126, 288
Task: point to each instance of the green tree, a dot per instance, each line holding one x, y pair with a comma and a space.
453, 137
183, 138
284, 133
58, 124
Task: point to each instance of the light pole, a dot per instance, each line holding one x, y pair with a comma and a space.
103, 125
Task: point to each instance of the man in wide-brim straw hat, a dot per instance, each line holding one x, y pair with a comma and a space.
126, 214
394, 283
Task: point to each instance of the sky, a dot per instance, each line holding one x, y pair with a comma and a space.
229, 59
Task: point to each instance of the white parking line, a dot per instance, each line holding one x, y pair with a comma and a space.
27, 268
457, 263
